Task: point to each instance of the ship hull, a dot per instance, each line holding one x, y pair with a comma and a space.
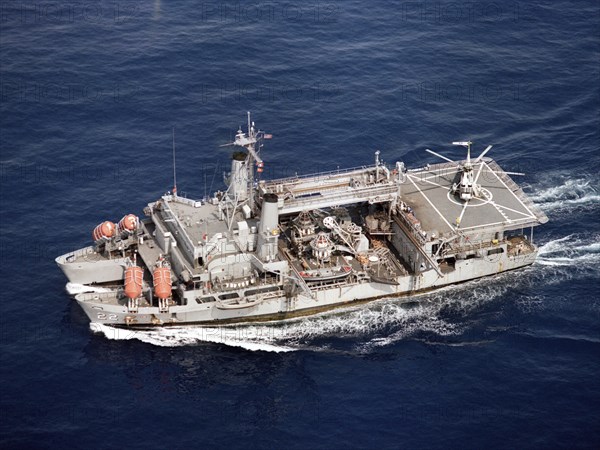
282, 308
85, 266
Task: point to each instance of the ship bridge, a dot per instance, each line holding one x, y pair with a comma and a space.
373, 184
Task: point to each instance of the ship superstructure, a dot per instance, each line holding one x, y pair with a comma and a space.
275, 249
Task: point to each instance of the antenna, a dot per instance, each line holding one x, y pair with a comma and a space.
174, 166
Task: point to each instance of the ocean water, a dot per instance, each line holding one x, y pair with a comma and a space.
90, 92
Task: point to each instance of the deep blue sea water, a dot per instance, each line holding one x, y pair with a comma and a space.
89, 94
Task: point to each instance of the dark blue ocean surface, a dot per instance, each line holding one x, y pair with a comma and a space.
89, 94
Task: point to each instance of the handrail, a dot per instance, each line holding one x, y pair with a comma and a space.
480, 245
400, 215
384, 189
411, 236
331, 172
186, 240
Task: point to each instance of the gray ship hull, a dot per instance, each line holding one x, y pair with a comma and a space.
85, 266
281, 308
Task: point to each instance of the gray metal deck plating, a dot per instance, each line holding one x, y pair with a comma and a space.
503, 204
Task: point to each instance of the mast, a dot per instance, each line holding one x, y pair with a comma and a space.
251, 164
248, 141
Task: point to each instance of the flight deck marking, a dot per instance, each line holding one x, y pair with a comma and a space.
498, 208
495, 205
429, 201
474, 227
434, 183
509, 190
438, 175
514, 210
488, 196
464, 209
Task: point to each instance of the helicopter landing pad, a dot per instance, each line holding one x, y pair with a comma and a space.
501, 204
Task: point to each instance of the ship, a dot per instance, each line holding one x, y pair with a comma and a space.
272, 250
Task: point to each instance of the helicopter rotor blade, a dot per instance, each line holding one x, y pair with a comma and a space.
479, 158
479, 172
508, 173
439, 156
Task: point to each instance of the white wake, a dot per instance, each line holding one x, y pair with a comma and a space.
243, 337
75, 288
580, 251
564, 194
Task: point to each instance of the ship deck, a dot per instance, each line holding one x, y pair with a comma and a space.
196, 218
503, 206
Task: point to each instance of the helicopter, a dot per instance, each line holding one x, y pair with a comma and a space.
467, 188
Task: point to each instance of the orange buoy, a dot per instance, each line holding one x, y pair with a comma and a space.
162, 282
105, 230
129, 223
133, 281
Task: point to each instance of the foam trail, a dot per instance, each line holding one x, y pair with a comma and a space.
75, 288
556, 245
565, 261
179, 336
593, 248
573, 250
566, 194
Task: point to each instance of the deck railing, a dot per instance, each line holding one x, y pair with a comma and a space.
319, 174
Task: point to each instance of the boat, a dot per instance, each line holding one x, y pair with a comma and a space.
275, 249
